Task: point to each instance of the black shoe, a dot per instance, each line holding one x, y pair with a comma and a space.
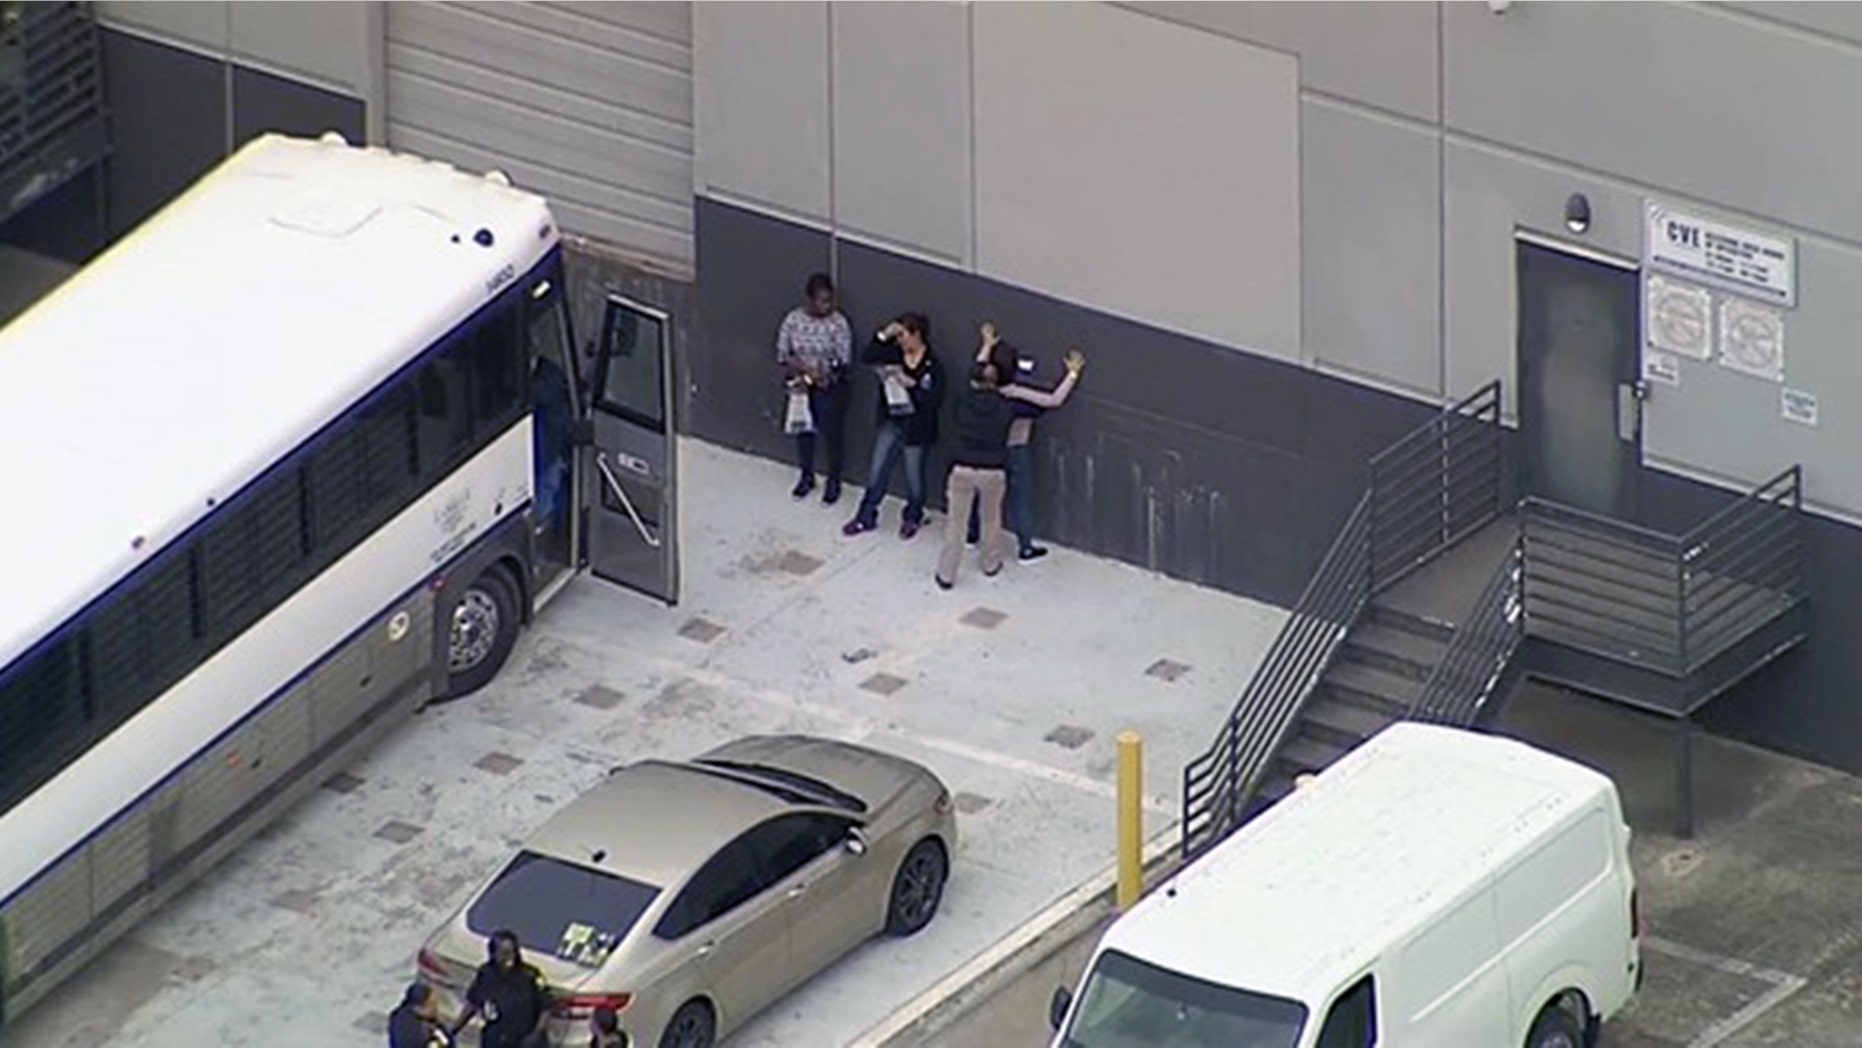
941, 584
831, 492
803, 486
857, 526
972, 539
908, 529
1030, 554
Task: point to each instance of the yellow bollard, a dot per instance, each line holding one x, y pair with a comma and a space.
1130, 818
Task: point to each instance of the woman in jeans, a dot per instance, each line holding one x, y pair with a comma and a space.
911, 392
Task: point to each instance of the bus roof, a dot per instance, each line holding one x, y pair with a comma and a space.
218, 336
1307, 894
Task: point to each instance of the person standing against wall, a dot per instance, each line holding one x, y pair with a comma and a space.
979, 459
814, 345
1027, 404
911, 392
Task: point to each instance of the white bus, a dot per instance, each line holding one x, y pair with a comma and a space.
290, 460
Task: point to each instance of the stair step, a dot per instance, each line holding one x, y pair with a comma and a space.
1335, 720
1355, 680
1409, 622
1303, 753
1398, 650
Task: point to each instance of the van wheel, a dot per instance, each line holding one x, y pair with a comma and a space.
1556, 1027
481, 632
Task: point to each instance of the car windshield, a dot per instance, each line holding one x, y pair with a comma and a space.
1127, 1003
570, 912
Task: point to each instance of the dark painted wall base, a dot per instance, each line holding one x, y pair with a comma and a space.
1205, 463
1208, 464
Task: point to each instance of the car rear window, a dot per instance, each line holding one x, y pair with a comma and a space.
571, 912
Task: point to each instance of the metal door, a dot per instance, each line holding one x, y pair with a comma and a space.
632, 533
1580, 409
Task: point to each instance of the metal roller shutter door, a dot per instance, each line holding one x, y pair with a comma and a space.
587, 103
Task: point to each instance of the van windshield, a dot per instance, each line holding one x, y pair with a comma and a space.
1127, 1003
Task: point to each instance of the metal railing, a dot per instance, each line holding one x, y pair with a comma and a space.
1438, 483
1484, 643
1217, 784
51, 99
1442, 482
1664, 602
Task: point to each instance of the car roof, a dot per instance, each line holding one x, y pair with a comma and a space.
655, 821
1336, 873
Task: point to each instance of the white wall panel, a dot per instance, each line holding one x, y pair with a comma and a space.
902, 123
762, 103
1140, 167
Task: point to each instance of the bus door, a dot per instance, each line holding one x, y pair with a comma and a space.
632, 530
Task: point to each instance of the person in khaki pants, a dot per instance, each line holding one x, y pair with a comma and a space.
979, 463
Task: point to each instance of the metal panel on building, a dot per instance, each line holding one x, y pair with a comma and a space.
589, 104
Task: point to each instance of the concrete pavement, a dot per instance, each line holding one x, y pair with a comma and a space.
1012, 689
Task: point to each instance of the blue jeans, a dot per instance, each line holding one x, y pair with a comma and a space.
1018, 507
888, 448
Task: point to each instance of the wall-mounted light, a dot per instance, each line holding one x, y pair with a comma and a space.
1577, 213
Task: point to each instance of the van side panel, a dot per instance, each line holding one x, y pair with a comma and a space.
1448, 985
1564, 919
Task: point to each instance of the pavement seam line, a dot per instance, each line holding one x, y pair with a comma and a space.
1784, 985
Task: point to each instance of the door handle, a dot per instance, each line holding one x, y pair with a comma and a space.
1629, 398
705, 949
614, 485
797, 891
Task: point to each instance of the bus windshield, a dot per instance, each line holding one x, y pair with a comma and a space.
1127, 1003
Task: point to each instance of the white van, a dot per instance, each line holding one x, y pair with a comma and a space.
1436, 888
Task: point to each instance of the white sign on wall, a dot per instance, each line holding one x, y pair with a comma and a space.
1798, 406
1680, 317
1752, 339
1761, 265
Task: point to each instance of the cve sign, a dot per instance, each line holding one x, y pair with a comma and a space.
1759, 265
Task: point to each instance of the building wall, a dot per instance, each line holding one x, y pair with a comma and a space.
1285, 232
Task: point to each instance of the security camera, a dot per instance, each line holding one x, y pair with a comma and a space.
1499, 6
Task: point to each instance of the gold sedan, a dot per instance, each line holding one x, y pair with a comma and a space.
686, 896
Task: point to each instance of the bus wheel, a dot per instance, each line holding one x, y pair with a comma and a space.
481, 632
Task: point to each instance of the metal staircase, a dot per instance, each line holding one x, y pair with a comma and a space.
52, 116
1443, 588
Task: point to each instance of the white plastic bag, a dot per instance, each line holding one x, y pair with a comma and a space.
800, 417
898, 397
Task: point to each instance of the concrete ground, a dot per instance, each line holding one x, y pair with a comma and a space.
1753, 928
1013, 689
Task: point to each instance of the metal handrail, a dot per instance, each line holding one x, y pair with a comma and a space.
1459, 687
1424, 497
620, 493
1217, 784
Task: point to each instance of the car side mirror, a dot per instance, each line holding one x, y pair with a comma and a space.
1057, 1008
855, 843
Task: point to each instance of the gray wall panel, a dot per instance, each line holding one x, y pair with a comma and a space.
1382, 54
1839, 20
1146, 168
589, 104
1685, 97
263, 102
1371, 250
325, 40
205, 24
902, 124
761, 83
168, 122
1690, 425
1490, 195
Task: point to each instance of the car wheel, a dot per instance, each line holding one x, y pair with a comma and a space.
1555, 1028
692, 1026
917, 888
481, 632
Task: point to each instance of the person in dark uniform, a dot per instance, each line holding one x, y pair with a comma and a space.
416, 1023
510, 994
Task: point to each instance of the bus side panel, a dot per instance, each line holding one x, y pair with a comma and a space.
283, 751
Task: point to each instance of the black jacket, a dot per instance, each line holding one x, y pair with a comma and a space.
983, 417
510, 1004
927, 392
406, 1029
